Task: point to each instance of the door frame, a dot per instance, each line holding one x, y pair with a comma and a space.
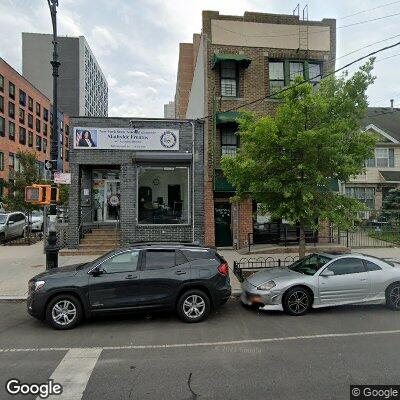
105, 211
216, 204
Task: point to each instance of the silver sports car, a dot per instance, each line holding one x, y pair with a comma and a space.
322, 280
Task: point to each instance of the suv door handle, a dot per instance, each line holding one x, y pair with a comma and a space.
180, 272
131, 276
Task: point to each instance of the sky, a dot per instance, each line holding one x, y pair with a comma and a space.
136, 41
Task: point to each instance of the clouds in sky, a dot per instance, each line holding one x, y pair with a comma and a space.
136, 41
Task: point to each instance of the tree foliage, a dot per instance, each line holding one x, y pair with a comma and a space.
392, 200
286, 162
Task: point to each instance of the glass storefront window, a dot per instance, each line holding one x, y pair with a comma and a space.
163, 195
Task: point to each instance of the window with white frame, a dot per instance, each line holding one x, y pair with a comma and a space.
383, 157
229, 140
229, 79
365, 195
276, 76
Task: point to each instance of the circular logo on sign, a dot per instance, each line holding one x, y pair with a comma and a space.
168, 139
113, 200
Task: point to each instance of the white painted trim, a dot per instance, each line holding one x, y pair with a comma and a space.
381, 132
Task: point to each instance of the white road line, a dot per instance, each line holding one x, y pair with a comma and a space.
201, 344
74, 371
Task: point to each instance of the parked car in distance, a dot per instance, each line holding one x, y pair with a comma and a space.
36, 220
188, 279
12, 225
323, 280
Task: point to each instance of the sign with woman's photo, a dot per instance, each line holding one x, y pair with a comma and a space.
126, 139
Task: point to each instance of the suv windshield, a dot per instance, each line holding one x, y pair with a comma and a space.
3, 218
310, 264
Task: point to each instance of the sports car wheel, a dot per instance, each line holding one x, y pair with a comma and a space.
297, 301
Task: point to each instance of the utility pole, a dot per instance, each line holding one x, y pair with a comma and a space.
51, 247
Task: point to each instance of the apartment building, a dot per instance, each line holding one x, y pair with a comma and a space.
239, 60
82, 86
382, 171
26, 124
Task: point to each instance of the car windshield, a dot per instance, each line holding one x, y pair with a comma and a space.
310, 264
3, 218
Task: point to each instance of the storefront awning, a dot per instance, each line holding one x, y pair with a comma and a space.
162, 156
243, 60
227, 117
391, 176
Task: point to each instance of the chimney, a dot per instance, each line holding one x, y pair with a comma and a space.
391, 103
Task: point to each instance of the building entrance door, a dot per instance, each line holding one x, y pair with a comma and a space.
223, 224
112, 200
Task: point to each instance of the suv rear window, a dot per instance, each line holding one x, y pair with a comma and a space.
158, 259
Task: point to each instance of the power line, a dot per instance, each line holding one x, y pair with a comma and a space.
370, 9
310, 79
386, 58
368, 20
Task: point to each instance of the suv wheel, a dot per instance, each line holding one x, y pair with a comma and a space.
64, 312
297, 301
393, 296
193, 306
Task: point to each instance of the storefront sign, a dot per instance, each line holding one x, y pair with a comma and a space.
126, 139
62, 178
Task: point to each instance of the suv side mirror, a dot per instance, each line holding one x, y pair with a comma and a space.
10, 222
327, 272
98, 271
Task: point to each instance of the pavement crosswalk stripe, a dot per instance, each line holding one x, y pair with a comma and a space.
201, 344
74, 371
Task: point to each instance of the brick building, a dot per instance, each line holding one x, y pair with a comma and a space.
241, 59
26, 124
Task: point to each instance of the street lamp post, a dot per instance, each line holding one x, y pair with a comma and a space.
51, 247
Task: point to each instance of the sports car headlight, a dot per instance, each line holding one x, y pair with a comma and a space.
266, 286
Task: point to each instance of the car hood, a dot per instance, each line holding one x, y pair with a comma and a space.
66, 270
272, 273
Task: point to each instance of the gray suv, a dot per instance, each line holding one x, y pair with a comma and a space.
12, 225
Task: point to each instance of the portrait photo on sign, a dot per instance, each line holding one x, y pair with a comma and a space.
86, 138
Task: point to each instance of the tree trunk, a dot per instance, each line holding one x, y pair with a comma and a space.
302, 241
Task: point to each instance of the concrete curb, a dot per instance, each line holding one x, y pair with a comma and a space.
12, 299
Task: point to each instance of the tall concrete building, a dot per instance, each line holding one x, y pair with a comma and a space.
169, 110
82, 86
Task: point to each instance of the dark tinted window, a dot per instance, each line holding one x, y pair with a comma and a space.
157, 259
19, 217
123, 262
370, 266
180, 258
310, 264
346, 266
199, 255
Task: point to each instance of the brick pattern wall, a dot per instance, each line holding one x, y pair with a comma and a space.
86, 159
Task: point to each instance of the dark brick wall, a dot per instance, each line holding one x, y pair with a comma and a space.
83, 161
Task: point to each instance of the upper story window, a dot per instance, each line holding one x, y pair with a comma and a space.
229, 79
276, 76
2, 126
383, 157
21, 116
45, 114
22, 98
30, 103
11, 90
11, 109
1, 161
1, 83
1, 104
11, 130
30, 120
229, 140
38, 109
364, 194
22, 135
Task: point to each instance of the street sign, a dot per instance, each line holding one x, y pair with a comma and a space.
63, 178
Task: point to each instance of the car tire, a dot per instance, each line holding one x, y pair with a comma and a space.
297, 301
69, 307
193, 306
393, 296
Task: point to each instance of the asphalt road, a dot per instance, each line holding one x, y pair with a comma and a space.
235, 354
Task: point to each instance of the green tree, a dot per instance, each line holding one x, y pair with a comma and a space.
392, 200
64, 194
26, 175
286, 162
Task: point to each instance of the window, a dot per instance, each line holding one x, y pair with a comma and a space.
1, 161
2, 126
38, 125
229, 79
364, 194
11, 109
67, 130
11, 90
66, 155
11, 160
30, 139
296, 69
158, 259
346, 266
45, 129
309, 265
229, 140
22, 135
1, 83
163, 195
30, 103
22, 98
370, 266
276, 76
192, 255
1, 104
38, 143
123, 262
11, 130
44, 145
45, 114
38, 109
314, 72
21, 116
30, 121
384, 157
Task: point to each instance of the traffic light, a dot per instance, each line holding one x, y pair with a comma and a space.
40, 194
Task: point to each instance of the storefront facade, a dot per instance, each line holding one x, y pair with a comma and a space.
142, 176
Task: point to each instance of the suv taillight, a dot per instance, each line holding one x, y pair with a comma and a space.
223, 269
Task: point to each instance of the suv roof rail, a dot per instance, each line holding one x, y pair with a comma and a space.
155, 243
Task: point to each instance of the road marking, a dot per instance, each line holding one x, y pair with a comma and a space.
205, 344
74, 371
